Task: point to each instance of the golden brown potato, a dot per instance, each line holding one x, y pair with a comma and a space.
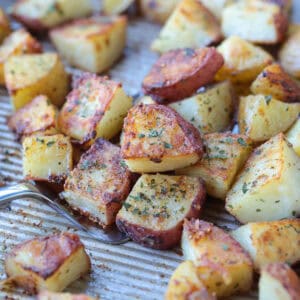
179, 73
255, 21
268, 186
95, 108
243, 61
4, 26
154, 211
185, 284
225, 155
39, 115
41, 15
191, 25
92, 44
279, 282
275, 82
115, 7
99, 184
293, 136
155, 139
269, 242
262, 117
63, 296
30, 75
222, 264
47, 158
47, 263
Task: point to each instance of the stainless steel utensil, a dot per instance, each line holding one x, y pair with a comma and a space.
40, 192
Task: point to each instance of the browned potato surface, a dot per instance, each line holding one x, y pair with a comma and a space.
63, 296
154, 211
179, 73
4, 25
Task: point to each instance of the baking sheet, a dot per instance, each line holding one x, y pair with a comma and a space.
118, 272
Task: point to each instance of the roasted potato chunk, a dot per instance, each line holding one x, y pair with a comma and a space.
269, 242
115, 7
63, 296
274, 81
4, 26
99, 184
225, 155
262, 117
41, 15
92, 44
293, 136
191, 25
267, 188
47, 158
210, 110
154, 211
30, 75
279, 282
38, 116
216, 7
243, 61
185, 284
95, 108
47, 263
255, 21
222, 264
155, 139
180, 73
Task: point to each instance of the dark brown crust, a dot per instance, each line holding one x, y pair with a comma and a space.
163, 239
180, 73
282, 24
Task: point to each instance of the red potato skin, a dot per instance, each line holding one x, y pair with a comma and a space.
179, 73
164, 239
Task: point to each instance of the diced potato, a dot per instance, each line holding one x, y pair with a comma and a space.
293, 136
99, 184
115, 7
30, 75
225, 155
158, 10
156, 139
47, 263
95, 108
41, 15
4, 26
185, 284
255, 21
216, 6
210, 110
261, 116
275, 82
38, 116
243, 61
269, 242
47, 158
63, 296
279, 282
191, 25
153, 213
222, 264
268, 186
92, 44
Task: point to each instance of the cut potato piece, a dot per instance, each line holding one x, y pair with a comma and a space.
41, 15
30, 75
99, 184
4, 26
155, 139
95, 108
268, 186
115, 7
63, 296
293, 136
47, 263
185, 284
222, 264
47, 158
216, 7
261, 117
279, 282
255, 21
275, 82
225, 155
38, 116
179, 73
93, 44
243, 61
154, 211
191, 25
269, 242
210, 110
